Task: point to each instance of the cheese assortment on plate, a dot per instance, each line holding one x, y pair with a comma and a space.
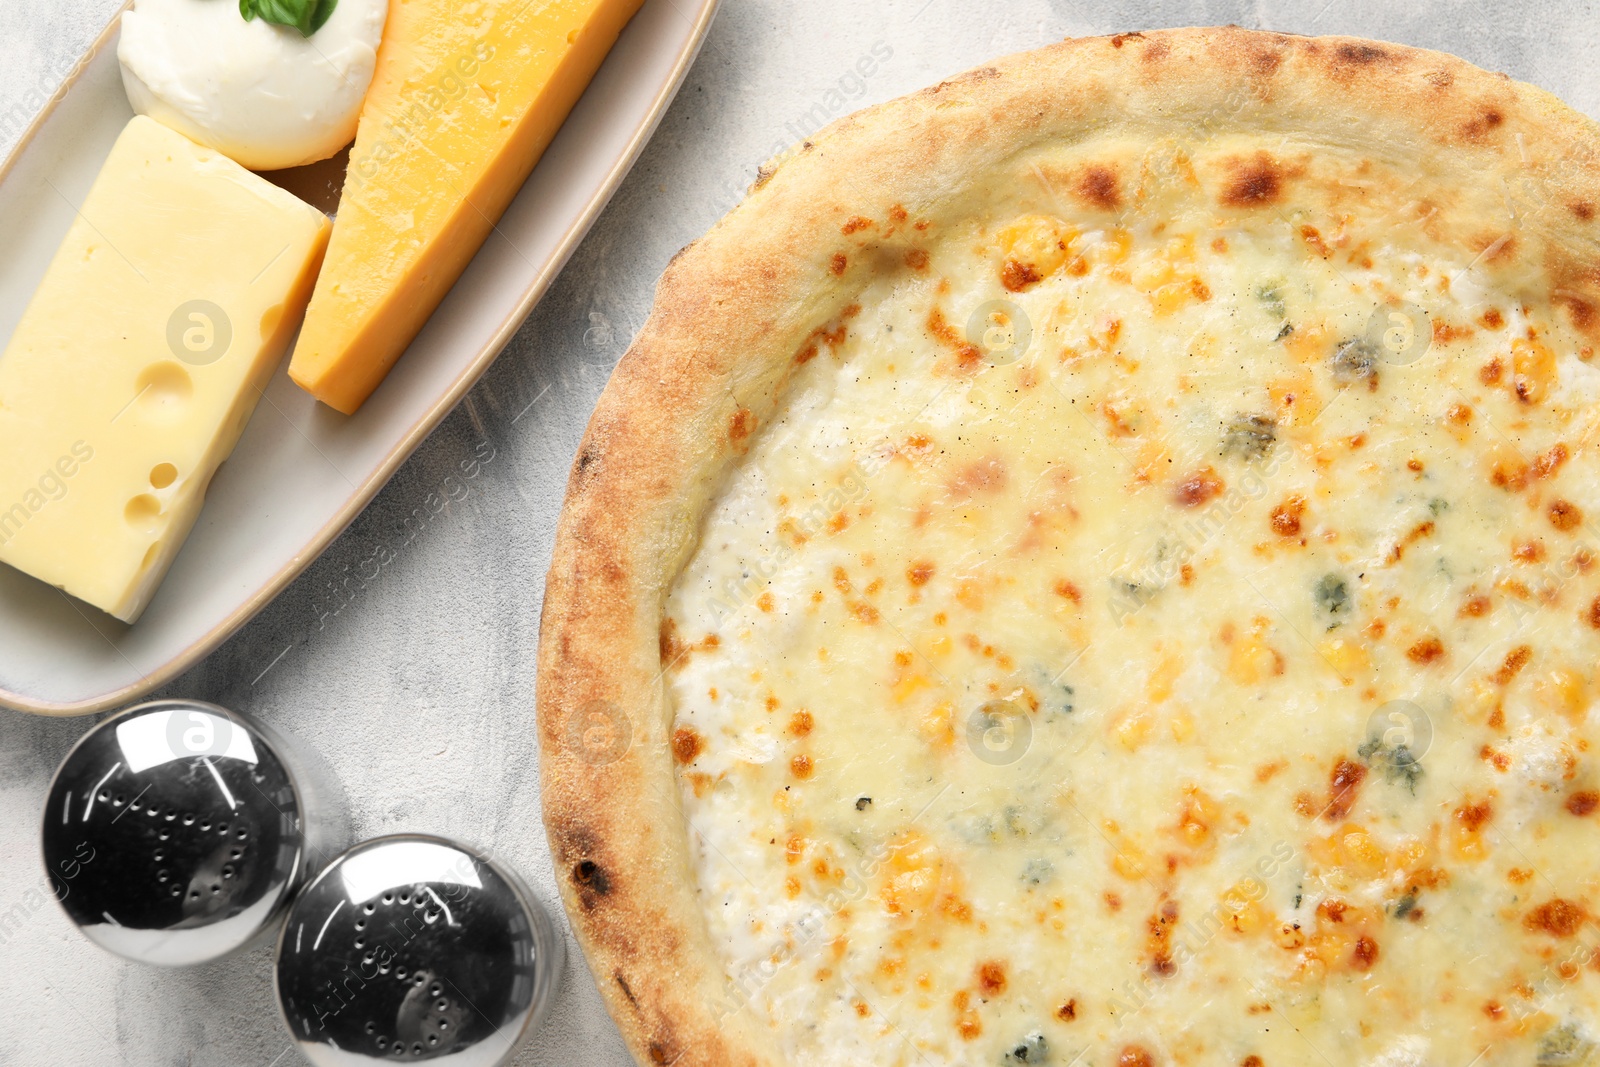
175, 293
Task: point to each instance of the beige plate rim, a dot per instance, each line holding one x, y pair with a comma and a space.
419, 430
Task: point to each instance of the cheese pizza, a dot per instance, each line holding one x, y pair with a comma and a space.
1096, 563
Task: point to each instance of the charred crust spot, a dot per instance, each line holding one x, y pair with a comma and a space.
919, 573
854, 224
1265, 62
659, 1054
591, 880
1584, 210
1099, 186
622, 983
1253, 182
991, 978
1068, 1011
1593, 614
687, 744
1117, 40
1478, 127
1361, 55
671, 647
1582, 311
838, 263
740, 425
982, 74
1365, 954
917, 258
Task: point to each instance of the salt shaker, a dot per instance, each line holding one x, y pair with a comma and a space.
418, 947
177, 831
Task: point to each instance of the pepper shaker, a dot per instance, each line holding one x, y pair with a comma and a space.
177, 831
418, 947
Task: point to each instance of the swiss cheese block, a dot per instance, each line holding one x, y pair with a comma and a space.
140, 359
463, 103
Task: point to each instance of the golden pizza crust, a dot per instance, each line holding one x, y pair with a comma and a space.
1477, 154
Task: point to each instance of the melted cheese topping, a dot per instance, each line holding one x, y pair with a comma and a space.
1167, 642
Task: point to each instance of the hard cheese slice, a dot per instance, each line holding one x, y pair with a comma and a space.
140, 359
464, 101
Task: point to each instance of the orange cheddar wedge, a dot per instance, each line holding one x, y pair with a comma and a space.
464, 100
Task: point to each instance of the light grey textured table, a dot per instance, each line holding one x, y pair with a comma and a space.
420, 688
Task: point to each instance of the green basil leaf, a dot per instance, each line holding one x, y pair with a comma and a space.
324, 9
307, 16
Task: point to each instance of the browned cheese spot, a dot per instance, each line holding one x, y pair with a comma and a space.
1286, 516
1197, 488
1017, 276
687, 744
1099, 187
991, 978
1159, 942
1583, 802
1515, 660
1556, 917
986, 475
1474, 817
1425, 650
1564, 515
1135, 1056
1344, 783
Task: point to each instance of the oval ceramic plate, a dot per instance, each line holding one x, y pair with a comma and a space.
301, 472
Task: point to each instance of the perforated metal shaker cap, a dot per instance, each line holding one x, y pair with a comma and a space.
412, 947
177, 831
